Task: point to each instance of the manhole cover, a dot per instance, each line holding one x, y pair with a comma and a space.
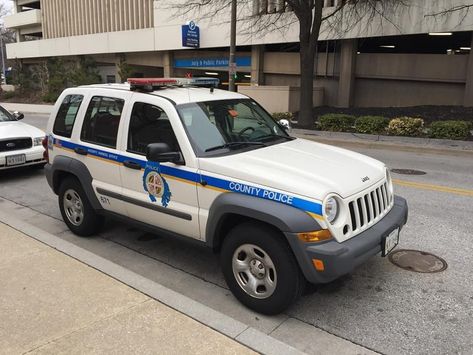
408, 172
417, 261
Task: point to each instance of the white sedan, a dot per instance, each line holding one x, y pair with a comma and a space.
20, 143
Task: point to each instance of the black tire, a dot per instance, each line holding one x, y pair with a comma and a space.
290, 281
91, 222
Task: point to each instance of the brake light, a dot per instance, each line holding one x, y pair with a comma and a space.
46, 151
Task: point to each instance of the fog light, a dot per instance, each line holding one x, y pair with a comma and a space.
317, 236
318, 264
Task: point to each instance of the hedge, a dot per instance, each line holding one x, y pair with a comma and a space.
406, 126
450, 129
337, 122
371, 124
278, 116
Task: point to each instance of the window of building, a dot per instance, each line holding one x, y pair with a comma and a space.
149, 124
102, 120
66, 115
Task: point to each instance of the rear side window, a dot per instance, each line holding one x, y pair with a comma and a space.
101, 121
67, 114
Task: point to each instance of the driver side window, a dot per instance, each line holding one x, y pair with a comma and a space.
149, 124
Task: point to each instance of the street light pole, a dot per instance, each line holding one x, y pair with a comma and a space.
4, 78
232, 64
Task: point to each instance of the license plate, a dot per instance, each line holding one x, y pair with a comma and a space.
16, 159
390, 242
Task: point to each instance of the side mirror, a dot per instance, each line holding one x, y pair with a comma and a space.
162, 153
285, 124
18, 115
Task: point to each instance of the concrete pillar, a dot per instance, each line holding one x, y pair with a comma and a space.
168, 64
257, 65
346, 81
468, 100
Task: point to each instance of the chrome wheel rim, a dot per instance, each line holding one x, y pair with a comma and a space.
73, 207
254, 271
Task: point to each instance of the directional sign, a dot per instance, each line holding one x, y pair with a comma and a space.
221, 62
191, 35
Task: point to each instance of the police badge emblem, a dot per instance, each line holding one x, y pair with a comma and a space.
155, 185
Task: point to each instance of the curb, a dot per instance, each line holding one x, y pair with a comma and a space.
236, 330
384, 145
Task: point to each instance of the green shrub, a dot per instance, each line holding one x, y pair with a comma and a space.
371, 124
336, 122
8, 95
278, 116
50, 97
406, 126
450, 129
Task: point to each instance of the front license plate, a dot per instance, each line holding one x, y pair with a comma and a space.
16, 160
390, 242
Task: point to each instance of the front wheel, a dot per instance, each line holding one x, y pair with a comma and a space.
76, 210
260, 269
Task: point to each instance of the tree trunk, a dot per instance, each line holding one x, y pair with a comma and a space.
307, 59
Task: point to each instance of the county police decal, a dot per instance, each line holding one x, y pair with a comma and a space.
155, 185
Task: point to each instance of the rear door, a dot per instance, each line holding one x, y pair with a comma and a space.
95, 144
163, 195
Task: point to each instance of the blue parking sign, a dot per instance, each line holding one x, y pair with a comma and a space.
191, 35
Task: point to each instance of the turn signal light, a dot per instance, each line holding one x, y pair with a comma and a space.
318, 264
317, 236
45, 146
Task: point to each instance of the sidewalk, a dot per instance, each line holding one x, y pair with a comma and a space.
408, 144
27, 108
52, 303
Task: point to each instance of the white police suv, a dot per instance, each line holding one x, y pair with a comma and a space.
184, 159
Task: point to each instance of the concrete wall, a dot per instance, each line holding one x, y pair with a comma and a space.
400, 93
279, 98
64, 18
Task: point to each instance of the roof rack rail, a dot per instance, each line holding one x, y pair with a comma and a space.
152, 84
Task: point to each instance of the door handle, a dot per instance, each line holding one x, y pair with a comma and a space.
132, 165
80, 151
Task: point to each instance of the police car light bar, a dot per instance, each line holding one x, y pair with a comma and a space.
150, 84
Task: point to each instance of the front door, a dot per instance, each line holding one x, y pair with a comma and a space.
160, 194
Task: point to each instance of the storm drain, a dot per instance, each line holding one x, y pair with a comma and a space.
408, 172
417, 261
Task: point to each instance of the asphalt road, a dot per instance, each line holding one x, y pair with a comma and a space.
380, 306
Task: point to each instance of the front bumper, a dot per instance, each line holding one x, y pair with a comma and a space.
342, 258
33, 155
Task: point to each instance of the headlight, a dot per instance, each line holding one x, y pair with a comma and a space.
37, 141
331, 209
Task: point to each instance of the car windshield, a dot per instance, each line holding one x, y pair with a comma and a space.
229, 125
5, 116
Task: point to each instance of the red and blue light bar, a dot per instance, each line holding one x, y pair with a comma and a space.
150, 84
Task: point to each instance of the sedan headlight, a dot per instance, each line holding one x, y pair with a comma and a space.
37, 141
331, 209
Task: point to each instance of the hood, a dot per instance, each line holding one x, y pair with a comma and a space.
301, 167
17, 129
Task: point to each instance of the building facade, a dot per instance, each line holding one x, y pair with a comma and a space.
409, 57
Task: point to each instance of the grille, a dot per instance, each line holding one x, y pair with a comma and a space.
8, 145
370, 208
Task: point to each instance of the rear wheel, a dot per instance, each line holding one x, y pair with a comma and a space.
76, 210
260, 269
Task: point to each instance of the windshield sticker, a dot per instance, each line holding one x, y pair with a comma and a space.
155, 185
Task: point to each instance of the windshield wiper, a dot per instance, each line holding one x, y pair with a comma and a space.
234, 144
289, 138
